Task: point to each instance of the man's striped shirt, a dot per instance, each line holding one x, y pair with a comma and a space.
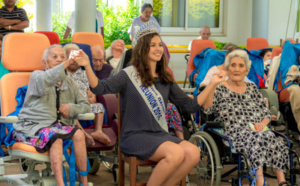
17, 13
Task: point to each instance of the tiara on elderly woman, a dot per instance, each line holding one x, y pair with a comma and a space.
147, 28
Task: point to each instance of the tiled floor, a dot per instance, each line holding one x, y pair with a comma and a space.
105, 178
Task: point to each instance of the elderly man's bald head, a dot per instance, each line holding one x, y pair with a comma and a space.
98, 56
205, 33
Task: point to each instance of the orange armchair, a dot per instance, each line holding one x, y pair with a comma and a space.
257, 43
197, 47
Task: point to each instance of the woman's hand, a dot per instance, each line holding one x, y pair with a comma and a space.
261, 125
91, 97
64, 109
218, 77
81, 58
89, 139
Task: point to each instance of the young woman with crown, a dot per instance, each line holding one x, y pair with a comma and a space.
145, 87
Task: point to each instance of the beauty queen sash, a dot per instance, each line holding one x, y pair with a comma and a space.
151, 96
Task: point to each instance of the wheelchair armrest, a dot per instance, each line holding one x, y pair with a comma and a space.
188, 90
276, 122
9, 119
214, 124
86, 116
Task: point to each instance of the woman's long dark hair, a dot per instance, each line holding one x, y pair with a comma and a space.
140, 59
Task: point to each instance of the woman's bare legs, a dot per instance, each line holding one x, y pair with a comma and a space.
191, 158
280, 176
56, 153
80, 154
98, 133
179, 158
259, 180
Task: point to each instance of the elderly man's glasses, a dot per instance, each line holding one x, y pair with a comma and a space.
98, 60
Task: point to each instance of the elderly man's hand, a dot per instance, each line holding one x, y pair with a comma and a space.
64, 109
218, 77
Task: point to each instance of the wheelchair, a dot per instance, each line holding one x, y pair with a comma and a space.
217, 152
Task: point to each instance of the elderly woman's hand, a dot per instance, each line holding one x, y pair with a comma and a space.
64, 109
218, 77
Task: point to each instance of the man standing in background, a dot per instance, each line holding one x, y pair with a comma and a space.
99, 24
12, 18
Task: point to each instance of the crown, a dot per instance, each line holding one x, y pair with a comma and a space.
147, 28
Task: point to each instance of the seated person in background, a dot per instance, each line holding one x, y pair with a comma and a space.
80, 78
266, 54
204, 34
228, 46
219, 68
43, 123
172, 114
235, 97
293, 75
3, 70
102, 69
115, 51
123, 63
275, 65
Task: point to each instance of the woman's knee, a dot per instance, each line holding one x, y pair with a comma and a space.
176, 156
192, 152
78, 136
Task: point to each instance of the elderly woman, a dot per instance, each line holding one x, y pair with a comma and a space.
146, 11
237, 103
52, 102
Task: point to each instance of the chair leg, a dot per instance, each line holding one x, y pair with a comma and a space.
132, 171
121, 172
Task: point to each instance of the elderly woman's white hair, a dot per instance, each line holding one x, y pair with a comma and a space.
46, 52
238, 53
71, 46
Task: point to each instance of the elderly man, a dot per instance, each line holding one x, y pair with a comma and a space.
102, 69
12, 18
114, 53
204, 34
51, 104
99, 24
80, 78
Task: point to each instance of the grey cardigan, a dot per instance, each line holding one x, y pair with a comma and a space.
39, 106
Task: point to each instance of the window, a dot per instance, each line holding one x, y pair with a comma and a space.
188, 15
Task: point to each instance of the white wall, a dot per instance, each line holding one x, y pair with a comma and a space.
278, 20
237, 28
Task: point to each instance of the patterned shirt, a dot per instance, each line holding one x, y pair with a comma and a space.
17, 13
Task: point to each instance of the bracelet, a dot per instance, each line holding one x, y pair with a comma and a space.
9, 27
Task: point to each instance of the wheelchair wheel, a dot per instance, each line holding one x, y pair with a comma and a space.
208, 170
95, 164
295, 172
107, 164
26, 165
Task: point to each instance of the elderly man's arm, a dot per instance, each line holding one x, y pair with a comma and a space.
6, 22
18, 26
